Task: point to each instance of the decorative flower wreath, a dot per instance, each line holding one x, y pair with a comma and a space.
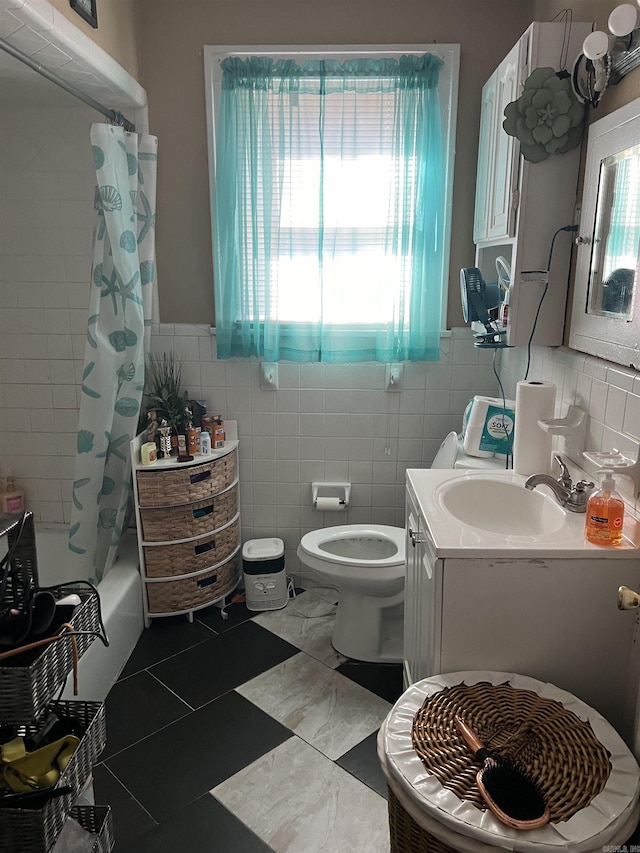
547, 118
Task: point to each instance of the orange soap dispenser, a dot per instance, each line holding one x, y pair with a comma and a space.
605, 513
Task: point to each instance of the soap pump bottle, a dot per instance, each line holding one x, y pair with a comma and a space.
605, 513
12, 498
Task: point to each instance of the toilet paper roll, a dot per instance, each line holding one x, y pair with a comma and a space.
535, 400
329, 504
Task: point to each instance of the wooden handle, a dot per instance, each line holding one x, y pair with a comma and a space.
470, 737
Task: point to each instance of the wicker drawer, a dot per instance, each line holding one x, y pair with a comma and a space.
171, 487
164, 524
166, 561
169, 596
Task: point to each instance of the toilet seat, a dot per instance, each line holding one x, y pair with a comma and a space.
311, 544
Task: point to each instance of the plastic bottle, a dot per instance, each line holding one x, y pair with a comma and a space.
205, 443
12, 499
605, 513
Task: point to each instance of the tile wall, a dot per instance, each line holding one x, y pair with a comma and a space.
608, 392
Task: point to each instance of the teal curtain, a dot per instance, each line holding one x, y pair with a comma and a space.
123, 277
328, 216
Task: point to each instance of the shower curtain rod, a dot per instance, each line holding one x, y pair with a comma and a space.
113, 115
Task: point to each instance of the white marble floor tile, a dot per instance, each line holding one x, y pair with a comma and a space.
303, 624
297, 801
323, 707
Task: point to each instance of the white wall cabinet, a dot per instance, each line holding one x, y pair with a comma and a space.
520, 205
556, 620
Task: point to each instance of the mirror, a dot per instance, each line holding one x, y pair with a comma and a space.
614, 253
606, 306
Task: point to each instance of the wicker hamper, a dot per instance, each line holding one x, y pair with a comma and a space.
558, 748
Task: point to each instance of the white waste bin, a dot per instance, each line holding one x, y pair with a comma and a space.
265, 582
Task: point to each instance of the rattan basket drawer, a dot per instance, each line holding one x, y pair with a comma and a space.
97, 820
171, 487
36, 830
164, 524
168, 596
185, 558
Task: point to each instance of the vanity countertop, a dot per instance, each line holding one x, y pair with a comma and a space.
453, 538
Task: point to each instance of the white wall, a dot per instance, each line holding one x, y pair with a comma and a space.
608, 392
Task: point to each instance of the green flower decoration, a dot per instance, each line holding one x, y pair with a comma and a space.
547, 118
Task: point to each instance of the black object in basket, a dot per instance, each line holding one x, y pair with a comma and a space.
36, 830
27, 683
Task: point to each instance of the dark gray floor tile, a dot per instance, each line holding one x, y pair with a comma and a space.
362, 762
383, 679
165, 637
210, 669
204, 826
136, 707
236, 614
130, 820
178, 764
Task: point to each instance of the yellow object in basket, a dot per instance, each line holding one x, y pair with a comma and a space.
30, 771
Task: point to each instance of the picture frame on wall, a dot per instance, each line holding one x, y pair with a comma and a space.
87, 10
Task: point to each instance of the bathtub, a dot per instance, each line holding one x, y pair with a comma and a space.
121, 602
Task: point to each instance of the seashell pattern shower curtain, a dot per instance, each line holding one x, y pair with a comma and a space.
122, 282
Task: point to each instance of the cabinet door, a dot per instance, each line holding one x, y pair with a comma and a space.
503, 178
422, 619
486, 144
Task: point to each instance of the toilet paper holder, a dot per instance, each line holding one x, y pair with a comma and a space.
341, 491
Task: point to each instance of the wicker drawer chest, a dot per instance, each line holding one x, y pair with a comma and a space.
188, 520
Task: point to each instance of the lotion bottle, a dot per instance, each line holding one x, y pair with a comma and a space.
11, 499
605, 513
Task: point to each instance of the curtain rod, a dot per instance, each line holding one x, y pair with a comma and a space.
113, 115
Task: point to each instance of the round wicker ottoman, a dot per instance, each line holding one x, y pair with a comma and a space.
590, 779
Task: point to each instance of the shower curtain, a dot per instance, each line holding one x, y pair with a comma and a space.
122, 282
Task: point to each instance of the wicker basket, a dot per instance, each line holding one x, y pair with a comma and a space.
99, 821
165, 524
36, 830
29, 681
169, 596
406, 835
185, 558
186, 485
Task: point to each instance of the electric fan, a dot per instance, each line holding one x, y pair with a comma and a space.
478, 298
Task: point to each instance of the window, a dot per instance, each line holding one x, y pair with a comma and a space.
331, 201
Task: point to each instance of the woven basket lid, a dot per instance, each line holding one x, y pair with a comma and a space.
590, 778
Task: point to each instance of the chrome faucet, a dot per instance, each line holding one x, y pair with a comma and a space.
573, 497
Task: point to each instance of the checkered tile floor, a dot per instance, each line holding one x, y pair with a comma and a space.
247, 736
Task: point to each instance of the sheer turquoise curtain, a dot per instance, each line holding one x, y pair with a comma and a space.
329, 219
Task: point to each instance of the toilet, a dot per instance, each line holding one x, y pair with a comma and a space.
366, 562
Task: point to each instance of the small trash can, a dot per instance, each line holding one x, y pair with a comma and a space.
265, 582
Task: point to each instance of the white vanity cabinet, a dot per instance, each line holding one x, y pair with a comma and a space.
519, 205
551, 618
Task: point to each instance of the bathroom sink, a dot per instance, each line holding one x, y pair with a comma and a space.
500, 506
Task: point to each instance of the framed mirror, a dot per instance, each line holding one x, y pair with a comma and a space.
606, 306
